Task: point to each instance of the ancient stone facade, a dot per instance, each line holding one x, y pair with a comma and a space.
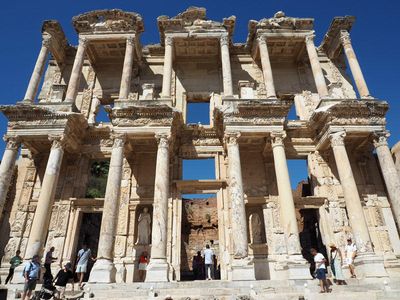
263, 227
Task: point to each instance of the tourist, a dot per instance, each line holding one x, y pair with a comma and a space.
31, 274
48, 260
197, 266
81, 263
336, 264
14, 262
320, 267
62, 278
350, 253
143, 262
208, 261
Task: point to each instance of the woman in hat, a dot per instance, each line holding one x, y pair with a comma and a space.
336, 263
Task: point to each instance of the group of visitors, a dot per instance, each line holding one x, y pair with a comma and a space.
205, 265
32, 272
337, 260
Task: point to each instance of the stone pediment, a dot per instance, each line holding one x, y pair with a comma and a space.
103, 21
58, 42
193, 20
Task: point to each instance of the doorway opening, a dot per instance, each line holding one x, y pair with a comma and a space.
310, 235
89, 234
199, 228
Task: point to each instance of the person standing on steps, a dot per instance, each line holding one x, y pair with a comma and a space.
31, 275
336, 264
48, 260
62, 278
14, 262
320, 268
208, 261
143, 262
350, 253
81, 263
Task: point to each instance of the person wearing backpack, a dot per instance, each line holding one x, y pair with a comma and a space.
81, 263
31, 274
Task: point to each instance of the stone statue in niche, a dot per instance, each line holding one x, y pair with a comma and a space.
255, 228
144, 227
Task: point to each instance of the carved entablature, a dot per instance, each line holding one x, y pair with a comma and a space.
331, 43
146, 114
106, 21
58, 44
279, 22
192, 21
254, 112
197, 135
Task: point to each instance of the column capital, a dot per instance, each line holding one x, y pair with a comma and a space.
119, 139
310, 38
224, 40
163, 140
83, 41
380, 138
12, 142
261, 40
130, 40
231, 138
345, 37
337, 138
277, 138
169, 40
58, 141
46, 41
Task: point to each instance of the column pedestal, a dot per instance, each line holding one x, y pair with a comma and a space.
103, 271
157, 270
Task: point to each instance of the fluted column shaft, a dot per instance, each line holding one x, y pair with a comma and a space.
76, 72
226, 66
389, 172
266, 68
354, 65
111, 201
37, 73
127, 69
316, 67
44, 206
161, 194
354, 208
167, 75
238, 210
286, 202
7, 167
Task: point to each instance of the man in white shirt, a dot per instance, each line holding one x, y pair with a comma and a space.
320, 268
208, 262
82, 261
350, 254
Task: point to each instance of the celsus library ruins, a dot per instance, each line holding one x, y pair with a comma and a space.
68, 179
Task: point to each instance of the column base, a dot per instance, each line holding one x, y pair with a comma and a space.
157, 270
103, 271
298, 267
243, 269
369, 265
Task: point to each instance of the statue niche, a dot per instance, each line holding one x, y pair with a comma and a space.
144, 227
255, 228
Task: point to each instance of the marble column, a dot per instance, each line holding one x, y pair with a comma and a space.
286, 202
127, 69
167, 75
7, 167
266, 67
388, 168
226, 66
44, 205
238, 210
354, 65
354, 208
73, 84
158, 267
319, 77
104, 270
37, 73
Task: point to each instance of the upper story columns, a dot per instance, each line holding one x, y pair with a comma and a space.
226, 66
316, 67
266, 67
167, 75
127, 68
353, 64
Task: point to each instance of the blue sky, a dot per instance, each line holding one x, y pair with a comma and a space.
375, 37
